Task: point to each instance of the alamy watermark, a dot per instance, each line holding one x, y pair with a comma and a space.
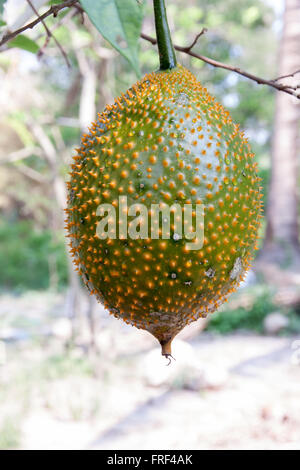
160, 221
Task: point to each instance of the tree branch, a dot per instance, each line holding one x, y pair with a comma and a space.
53, 10
63, 20
291, 90
49, 35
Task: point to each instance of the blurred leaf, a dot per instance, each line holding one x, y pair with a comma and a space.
251, 318
16, 122
23, 42
2, 6
27, 262
251, 15
119, 22
10, 434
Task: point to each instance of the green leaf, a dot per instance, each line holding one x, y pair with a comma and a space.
23, 42
119, 22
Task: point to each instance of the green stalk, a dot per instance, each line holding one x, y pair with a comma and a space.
166, 51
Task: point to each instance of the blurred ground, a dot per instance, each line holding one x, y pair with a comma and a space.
223, 392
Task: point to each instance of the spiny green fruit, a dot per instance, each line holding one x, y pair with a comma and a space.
166, 139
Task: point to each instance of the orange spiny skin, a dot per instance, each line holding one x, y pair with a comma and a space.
165, 140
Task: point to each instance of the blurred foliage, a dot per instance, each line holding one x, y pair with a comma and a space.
64, 365
227, 320
1, 6
24, 256
10, 434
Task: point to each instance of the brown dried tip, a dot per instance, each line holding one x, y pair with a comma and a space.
166, 350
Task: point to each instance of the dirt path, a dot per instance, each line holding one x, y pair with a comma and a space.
255, 405
223, 392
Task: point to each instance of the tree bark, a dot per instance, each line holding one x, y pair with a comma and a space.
282, 233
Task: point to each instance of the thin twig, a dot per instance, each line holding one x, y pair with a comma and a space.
50, 35
19, 154
63, 20
291, 90
286, 76
31, 173
53, 10
189, 48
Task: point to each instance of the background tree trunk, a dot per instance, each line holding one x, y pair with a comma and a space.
282, 234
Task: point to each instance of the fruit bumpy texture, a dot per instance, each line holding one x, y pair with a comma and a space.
166, 139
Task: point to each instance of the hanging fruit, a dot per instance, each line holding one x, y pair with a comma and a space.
165, 143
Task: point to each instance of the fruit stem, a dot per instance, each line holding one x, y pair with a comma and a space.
166, 348
166, 50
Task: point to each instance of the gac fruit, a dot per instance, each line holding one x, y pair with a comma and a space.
165, 140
